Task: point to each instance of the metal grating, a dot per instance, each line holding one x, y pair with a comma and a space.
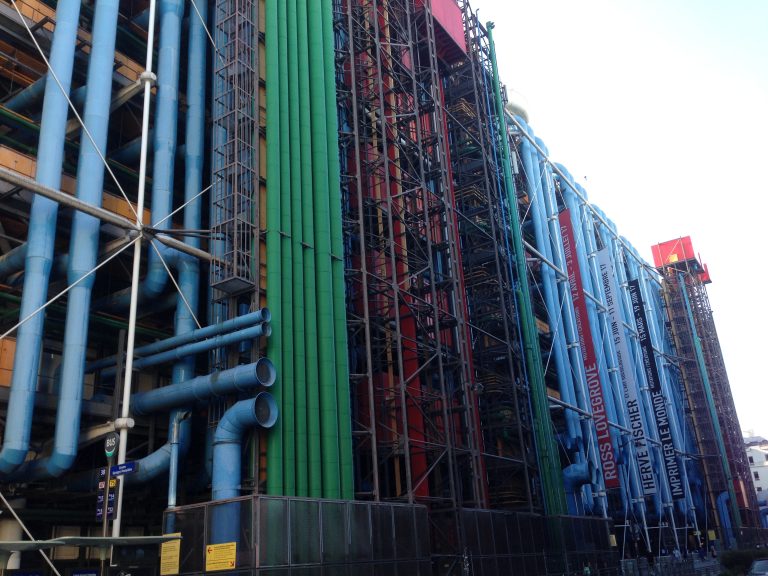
235, 183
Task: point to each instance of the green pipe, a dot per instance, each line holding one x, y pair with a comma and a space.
549, 461
326, 346
710, 404
286, 268
275, 481
298, 257
315, 461
337, 261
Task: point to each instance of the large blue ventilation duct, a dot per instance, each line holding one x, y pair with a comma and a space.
238, 379
227, 453
164, 147
84, 242
42, 231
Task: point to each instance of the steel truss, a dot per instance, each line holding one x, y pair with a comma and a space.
489, 276
721, 391
415, 417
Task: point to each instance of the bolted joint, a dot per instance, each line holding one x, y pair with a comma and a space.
148, 77
124, 423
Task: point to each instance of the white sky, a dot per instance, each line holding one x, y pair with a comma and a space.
660, 109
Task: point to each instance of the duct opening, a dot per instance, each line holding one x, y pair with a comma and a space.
265, 372
265, 410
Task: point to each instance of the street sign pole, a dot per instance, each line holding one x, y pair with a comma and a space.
105, 515
110, 446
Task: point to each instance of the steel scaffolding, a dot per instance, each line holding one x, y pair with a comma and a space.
415, 407
683, 288
489, 277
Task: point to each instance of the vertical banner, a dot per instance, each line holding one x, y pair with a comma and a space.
658, 402
626, 371
587, 347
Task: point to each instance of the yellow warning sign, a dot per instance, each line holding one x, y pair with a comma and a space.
220, 556
169, 556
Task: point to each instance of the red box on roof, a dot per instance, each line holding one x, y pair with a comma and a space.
449, 32
673, 251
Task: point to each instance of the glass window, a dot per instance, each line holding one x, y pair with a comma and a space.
757, 475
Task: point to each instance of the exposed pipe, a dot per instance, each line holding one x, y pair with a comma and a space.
314, 452
42, 231
343, 409
12, 261
159, 461
253, 318
84, 239
34, 92
227, 454
275, 475
239, 379
187, 301
27, 96
539, 217
287, 367
164, 146
129, 152
198, 347
549, 462
173, 473
259, 411
299, 239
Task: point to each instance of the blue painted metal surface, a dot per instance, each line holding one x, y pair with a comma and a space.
42, 228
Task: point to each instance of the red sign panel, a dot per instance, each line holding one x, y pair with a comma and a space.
587, 347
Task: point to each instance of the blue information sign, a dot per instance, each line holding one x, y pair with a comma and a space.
120, 469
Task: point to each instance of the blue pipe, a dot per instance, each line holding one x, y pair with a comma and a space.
13, 261
631, 488
548, 280
244, 415
197, 347
42, 231
157, 463
227, 454
569, 197
632, 264
189, 274
574, 477
129, 152
608, 233
35, 91
725, 519
84, 240
239, 379
656, 319
166, 458
173, 472
164, 147
27, 96
142, 18
263, 315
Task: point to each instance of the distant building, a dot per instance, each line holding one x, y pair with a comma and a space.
757, 455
